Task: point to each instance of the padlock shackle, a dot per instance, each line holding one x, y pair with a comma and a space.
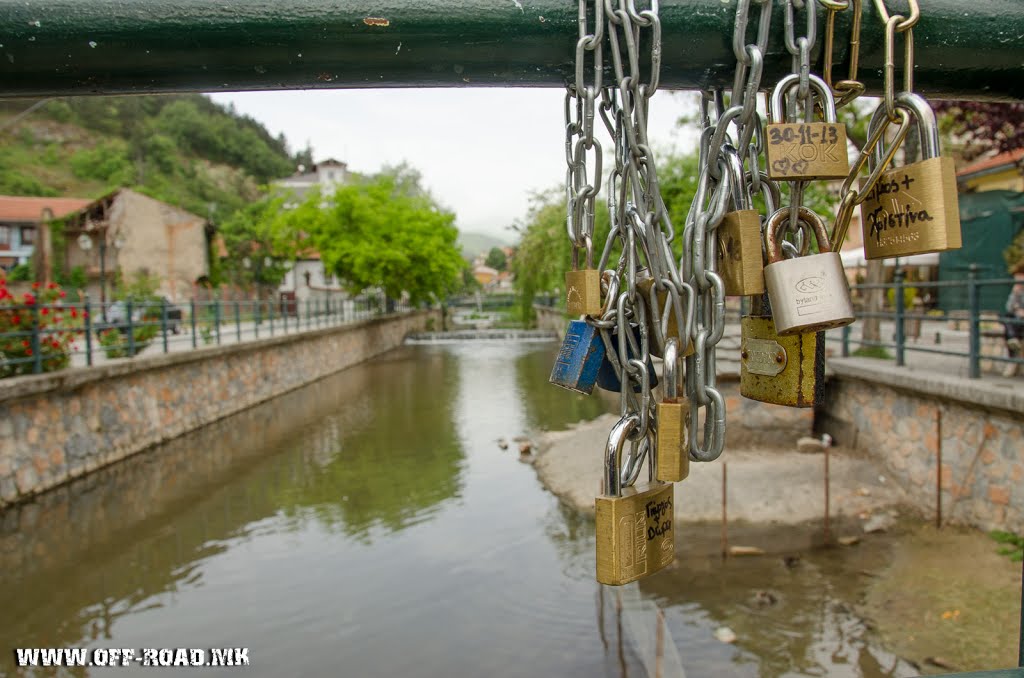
670, 369
805, 216
620, 433
738, 187
927, 126
776, 110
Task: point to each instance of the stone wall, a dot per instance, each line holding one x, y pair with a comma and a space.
551, 319
59, 426
896, 417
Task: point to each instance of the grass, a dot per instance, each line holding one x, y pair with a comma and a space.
878, 352
1012, 545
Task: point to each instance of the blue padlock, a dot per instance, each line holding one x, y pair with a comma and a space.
608, 376
579, 359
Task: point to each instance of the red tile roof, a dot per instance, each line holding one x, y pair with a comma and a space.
19, 208
1009, 158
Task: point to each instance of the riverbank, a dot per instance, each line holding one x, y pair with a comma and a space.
940, 600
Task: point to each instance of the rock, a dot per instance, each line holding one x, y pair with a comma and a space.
879, 523
764, 599
525, 448
849, 541
791, 561
940, 662
863, 492
725, 634
745, 551
502, 443
808, 445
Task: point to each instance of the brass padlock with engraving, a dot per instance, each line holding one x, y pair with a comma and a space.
673, 422
912, 209
810, 293
633, 524
800, 151
740, 263
583, 286
779, 370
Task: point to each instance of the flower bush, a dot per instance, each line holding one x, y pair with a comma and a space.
57, 329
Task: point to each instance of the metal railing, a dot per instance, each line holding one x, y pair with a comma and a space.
48, 337
913, 325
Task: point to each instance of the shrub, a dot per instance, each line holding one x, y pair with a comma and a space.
57, 329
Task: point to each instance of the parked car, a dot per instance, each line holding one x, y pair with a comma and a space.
142, 312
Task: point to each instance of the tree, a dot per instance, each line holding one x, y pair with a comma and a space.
263, 239
496, 259
984, 126
386, 231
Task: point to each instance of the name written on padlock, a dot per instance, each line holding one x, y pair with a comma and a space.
894, 211
807, 150
655, 512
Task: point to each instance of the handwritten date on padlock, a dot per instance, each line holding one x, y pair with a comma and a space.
809, 150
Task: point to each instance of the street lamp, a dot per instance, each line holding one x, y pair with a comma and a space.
85, 242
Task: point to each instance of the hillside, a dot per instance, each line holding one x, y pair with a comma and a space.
182, 149
473, 244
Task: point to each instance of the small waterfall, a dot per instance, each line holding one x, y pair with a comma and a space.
480, 335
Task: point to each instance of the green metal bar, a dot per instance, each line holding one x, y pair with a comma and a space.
974, 342
163, 321
78, 47
901, 337
131, 330
37, 355
87, 315
192, 319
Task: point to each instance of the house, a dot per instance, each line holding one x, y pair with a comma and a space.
1002, 172
19, 224
485, 275
324, 175
130, 233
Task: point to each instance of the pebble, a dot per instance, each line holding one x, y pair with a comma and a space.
745, 551
525, 448
808, 445
725, 634
879, 523
849, 541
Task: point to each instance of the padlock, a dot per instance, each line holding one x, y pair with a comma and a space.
673, 422
633, 524
608, 373
912, 209
786, 370
808, 294
739, 237
800, 151
659, 328
582, 286
580, 358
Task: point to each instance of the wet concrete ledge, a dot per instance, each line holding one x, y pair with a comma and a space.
60, 426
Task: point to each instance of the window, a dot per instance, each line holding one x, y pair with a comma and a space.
5, 235
28, 236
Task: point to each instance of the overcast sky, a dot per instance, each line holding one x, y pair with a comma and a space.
481, 151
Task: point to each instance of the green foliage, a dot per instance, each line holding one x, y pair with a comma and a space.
23, 315
206, 334
20, 273
1013, 545
141, 288
386, 231
496, 259
108, 163
1014, 254
264, 237
877, 352
15, 182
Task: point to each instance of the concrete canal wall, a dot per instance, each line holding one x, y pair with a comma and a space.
59, 426
902, 417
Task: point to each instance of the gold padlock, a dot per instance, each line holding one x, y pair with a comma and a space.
801, 151
740, 263
663, 323
634, 525
673, 422
582, 287
912, 209
787, 370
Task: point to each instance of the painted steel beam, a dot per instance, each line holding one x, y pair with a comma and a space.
965, 48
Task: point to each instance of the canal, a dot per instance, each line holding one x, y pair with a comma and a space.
370, 525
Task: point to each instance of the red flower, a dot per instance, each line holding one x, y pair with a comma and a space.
55, 343
35, 286
16, 319
51, 286
63, 294
25, 343
29, 299
85, 314
45, 311
28, 352
74, 313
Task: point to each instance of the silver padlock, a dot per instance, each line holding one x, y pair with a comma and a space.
811, 293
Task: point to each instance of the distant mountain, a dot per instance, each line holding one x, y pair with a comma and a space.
473, 244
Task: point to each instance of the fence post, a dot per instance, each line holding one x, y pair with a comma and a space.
216, 318
270, 314
974, 366
308, 319
238, 322
284, 314
846, 341
131, 329
258, 318
898, 275
192, 319
163, 320
88, 332
37, 358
